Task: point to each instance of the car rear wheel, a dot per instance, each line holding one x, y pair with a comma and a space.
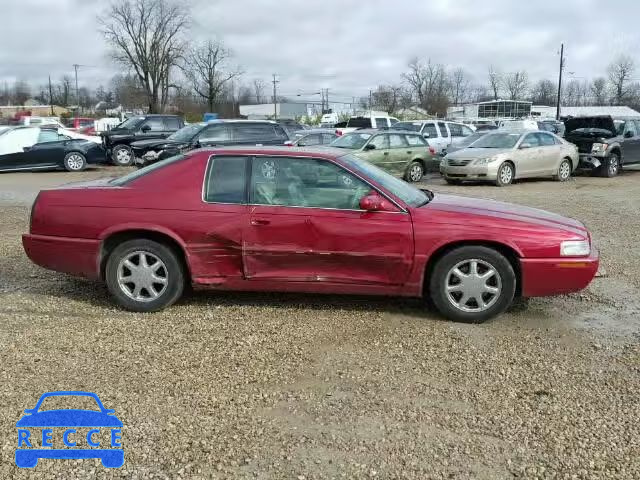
611, 166
564, 171
144, 276
415, 172
75, 162
122, 155
472, 284
505, 175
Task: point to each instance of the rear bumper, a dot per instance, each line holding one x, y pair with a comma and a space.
556, 276
75, 256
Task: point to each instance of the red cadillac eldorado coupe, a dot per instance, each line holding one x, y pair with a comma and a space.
304, 220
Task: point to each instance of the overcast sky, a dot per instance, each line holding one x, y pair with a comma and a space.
345, 45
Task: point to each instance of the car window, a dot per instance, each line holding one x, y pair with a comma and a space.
416, 140
381, 122
532, 139
226, 180
46, 135
309, 140
254, 132
454, 129
637, 122
214, 133
381, 142
466, 131
15, 140
327, 138
630, 126
398, 141
430, 129
172, 123
411, 126
443, 129
154, 123
304, 182
545, 139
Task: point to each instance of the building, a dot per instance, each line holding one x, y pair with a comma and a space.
291, 110
10, 111
493, 109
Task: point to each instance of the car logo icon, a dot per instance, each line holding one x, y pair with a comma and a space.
93, 429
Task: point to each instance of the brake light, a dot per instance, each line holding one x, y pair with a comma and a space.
432, 150
339, 133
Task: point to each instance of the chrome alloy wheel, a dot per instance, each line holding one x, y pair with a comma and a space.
142, 276
473, 285
565, 170
506, 174
123, 156
75, 162
415, 174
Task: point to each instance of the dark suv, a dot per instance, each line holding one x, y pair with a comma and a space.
605, 144
117, 141
210, 134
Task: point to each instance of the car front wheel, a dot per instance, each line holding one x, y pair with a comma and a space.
564, 171
472, 284
611, 166
505, 175
75, 162
144, 276
122, 155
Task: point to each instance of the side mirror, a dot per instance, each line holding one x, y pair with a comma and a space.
425, 135
525, 145
628, 134
369, 147
371, 202
145, 128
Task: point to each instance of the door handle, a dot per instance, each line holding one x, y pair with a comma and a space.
256, 222
409, 152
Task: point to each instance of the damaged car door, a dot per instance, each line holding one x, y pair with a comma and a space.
306, 224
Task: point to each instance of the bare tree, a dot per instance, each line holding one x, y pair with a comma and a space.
599, 91
430, 84
147, 37
495, 81
459, 85
620, 72
516, 84
258, 88
543, 92
387, 97
206, 67
21, 92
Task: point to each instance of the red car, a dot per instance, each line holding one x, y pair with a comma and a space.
303, 220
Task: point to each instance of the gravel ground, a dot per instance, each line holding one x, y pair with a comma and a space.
305, 387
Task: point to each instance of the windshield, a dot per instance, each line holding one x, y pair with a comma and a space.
411, 126
407, 193
130, 177
186, 134
131, 122
497, 140
472, 138
353, 141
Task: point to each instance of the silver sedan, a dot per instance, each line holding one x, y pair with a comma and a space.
502, 157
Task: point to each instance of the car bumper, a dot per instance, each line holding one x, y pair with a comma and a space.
588, 161
555, 276
75, 256
468, 172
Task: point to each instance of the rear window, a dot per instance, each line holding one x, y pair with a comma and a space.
359, 122
412, 126
226, 180
172, 123
254, 132
130, 177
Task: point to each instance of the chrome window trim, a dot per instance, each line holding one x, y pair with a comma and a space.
211, 159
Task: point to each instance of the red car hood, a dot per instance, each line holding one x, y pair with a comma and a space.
506, 211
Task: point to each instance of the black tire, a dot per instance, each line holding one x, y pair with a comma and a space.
414, 172
441, 277
75, 162
503, 178
564, 171
171, 270
122, 155
611, 166
451, 181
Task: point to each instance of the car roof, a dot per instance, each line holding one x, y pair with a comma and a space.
327, 152
240, 120
315, 130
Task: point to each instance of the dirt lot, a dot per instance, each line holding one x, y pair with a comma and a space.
303, 387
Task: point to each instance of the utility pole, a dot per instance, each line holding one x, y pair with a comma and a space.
370, 100
560, 81
76, 66
326, 98
51, 97
275, 105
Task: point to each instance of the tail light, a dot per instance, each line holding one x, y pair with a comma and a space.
33, 211
432, 150
339, 133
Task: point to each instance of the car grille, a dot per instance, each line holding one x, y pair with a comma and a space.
458, 162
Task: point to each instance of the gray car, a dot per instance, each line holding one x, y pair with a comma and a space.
504, 156
312, 137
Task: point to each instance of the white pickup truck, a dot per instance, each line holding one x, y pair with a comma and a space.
375, 120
